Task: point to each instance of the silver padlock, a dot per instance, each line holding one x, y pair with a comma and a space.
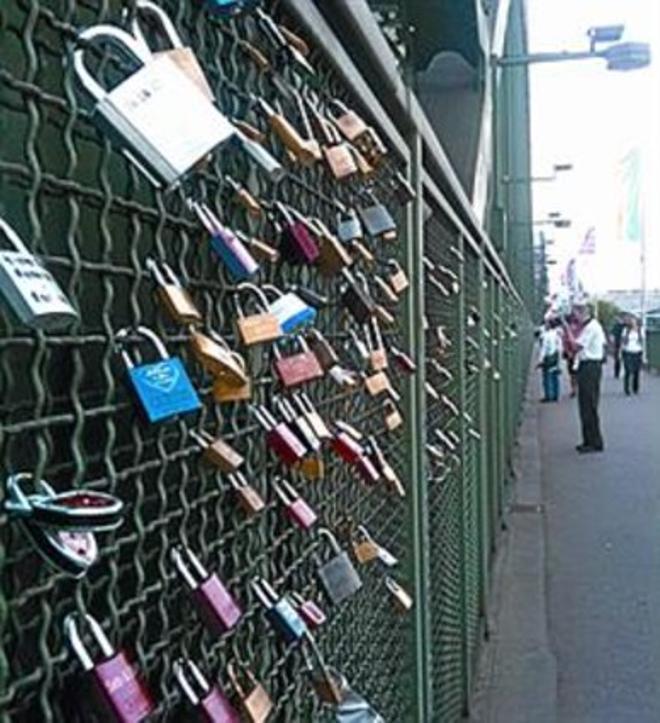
162, 120
30, 289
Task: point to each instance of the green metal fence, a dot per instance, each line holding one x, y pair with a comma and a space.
66, 416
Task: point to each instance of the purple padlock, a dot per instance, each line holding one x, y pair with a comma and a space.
216, 605
298, 245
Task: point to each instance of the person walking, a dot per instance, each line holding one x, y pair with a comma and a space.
633, 350
616, 335
549, 360
591, 344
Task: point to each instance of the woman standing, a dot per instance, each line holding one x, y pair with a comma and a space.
633, 350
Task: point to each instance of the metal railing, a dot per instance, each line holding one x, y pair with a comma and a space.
65, 415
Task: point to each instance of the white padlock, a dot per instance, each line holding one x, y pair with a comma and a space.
163, 121
30, 289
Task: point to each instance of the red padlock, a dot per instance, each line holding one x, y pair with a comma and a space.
215, 604
308, 610
279, 437
210, 703
118, 693
299, 368
297, 244
297, 509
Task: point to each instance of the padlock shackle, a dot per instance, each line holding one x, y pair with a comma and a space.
72, 634
115, 36
190, 568
325, 532
233, 677
166, 26
264, 592
237, 480
247, 286
181, 668
13, 237
258, 413
16, 501
147, 333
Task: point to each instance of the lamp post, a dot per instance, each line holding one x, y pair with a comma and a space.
556, 222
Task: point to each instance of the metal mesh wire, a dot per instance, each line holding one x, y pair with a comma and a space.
66, 416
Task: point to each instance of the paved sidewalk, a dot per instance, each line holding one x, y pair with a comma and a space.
575, 621
603, 558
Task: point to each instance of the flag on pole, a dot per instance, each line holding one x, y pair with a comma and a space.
630, 213
588, 245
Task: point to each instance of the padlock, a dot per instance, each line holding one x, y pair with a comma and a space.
309, 611
291, 311
368, 470
260, 249
346, 446
309, 411
333, 257
297, 508
377, 354
326, 686
372, 146
348, 121
365, 548
280, 613
61, 526
229, 8
390, 477
310, 296
295, 40
30, 289
209, 702
393, 418
291, 139
176, 300
244, 198
183, 57
386, 291
365, 169
296, 242
224, 391
161, 119
216, 606
378, 221
363, 252
286, 53
349, 228
217, 452
116, 690
309, 136
258, 57
336, 152
299, 368
354, 298
397, 276
227, 246
265, 160
255, 703
247, 496
324, 351
298, 421
162, 388
338, 576
377, 384
382, 314
215, 356
262, 327
405, 363
279, 436
401, 599
403, 189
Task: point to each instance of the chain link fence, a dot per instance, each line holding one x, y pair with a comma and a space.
65, 415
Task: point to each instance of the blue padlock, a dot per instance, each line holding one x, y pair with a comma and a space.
280, 612
291, 311
230, 8
227, 246
163, 387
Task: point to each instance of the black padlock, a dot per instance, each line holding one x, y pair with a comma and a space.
356, 298
338, 576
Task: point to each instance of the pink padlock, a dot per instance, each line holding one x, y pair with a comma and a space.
297, 509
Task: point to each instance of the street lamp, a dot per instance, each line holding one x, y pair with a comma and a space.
557, 168
618, 56
552, 221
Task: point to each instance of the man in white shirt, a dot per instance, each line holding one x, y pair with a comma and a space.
591, 344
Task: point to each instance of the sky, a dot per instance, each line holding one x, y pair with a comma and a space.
591, 117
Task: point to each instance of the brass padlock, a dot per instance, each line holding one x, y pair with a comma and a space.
176, 300
302, 150
393, 418
225, 391
217, 452
348, 121
365, 548
327, 687
255, 54
312, 467
397, 278
215, 356
244, 198
377, 355
401, 599
260, 249
257, 328
254, 700
246, 495
333, 256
